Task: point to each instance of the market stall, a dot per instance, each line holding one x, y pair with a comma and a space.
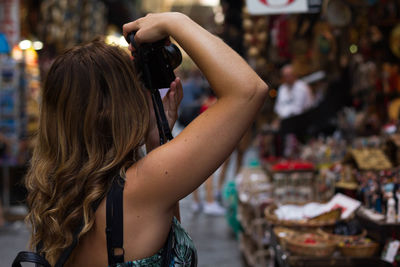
346, 144
284, 223
35, 33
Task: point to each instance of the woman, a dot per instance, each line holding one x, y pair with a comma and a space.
94, 119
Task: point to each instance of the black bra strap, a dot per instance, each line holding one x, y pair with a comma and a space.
114, 227
115, 222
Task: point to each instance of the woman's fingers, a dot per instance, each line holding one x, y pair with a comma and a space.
127, 28
171, 104
179, 89
175, 94
172, 100
148, 29
130, 27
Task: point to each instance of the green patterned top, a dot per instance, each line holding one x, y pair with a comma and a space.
185, 254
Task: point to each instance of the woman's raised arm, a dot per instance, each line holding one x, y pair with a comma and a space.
175, 169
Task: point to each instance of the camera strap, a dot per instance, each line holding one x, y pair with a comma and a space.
162, 122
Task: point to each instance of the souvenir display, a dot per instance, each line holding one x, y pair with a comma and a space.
10, 123
255, 39
395, 41
66, 23
254, 193
293, 181
338, 13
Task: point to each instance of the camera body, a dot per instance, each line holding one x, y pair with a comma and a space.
156, 62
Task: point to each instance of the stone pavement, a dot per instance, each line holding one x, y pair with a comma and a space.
13, 238
215, 242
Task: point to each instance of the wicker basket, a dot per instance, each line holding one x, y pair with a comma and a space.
323, 247
282, 234
310, 223
341, 238
359, 250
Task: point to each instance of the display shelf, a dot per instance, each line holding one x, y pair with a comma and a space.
253, 255
293, 184
253, 241
284, 258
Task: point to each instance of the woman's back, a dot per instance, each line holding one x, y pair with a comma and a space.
145, 230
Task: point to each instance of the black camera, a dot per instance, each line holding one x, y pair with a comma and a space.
156, 62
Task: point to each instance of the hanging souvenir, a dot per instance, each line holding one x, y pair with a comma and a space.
255, 38
9, 108
325, 42
280, 35
338, 13
253, 51
66, 23
395, 41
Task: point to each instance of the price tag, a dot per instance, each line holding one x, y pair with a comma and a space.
391, 251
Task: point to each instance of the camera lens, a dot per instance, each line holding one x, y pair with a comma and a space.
173, 55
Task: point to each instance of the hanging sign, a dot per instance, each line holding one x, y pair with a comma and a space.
9, 20
264, 7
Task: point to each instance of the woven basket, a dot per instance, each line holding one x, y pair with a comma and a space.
360, 250
282, 234
323, 247
310, 223
341, 238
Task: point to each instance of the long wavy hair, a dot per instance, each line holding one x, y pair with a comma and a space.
93, 120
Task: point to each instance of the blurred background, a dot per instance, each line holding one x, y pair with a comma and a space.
329, 126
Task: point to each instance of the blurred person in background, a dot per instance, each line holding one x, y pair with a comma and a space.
193, 94
237, 158
294, 95
293, 99
95, 118
211, 206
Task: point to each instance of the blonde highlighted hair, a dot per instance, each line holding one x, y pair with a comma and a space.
93, 119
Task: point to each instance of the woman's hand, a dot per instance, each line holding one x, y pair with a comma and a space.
151, 28
171, 103
172, 100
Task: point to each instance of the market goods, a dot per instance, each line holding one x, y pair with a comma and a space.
344, 231
341, 238
350, 228
327, 216
270, 215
